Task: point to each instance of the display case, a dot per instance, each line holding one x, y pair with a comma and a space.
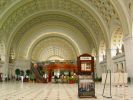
86, 82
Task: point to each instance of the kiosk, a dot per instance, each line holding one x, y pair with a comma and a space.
86, 83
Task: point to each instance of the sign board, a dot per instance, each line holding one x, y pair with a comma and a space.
85, 66
85, 58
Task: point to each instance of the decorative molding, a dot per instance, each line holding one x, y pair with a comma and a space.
53, 46
4, 4
105, 9
46, 18
61, 5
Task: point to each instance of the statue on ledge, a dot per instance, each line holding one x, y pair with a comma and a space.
0, 77
0, 57
117, 51
104, 57
122, 48
10, 60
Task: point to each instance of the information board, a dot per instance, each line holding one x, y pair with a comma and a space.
85, 66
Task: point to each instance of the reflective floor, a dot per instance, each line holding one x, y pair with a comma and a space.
51, 91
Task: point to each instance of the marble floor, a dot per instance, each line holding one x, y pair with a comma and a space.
51, 91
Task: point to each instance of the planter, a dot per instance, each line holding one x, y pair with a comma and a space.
25, 79
71, 81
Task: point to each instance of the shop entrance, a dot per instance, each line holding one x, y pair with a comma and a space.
54, 72
58, 71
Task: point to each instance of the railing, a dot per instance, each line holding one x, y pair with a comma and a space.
37, 74
110, 95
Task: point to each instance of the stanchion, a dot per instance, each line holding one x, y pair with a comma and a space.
110, 96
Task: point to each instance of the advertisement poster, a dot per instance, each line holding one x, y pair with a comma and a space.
85, 66
86, 86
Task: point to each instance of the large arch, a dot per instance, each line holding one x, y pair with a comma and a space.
66, 33
92, 20
53, 45
17, 5
84, 31
80, 14
123, 16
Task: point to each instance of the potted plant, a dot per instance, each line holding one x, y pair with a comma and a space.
17, 72
71, 80
129, 79
26, 78
27, 72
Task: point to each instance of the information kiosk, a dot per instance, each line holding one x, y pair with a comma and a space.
86, 83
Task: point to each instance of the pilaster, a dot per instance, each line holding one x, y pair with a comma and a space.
128, 44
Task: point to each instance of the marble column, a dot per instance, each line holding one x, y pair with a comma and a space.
128, 44
124, 65
5, 65
98, 67
108, 59
119, 66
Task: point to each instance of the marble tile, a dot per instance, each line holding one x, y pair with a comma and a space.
51, 91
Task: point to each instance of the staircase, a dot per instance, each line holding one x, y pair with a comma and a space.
39, 78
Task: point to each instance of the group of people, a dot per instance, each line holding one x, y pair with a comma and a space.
6, 77
64, 78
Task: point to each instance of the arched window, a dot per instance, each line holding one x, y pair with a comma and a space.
116, 42
11, 56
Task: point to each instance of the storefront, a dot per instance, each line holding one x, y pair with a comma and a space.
59, 69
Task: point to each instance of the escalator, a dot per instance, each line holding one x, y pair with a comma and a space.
38, 75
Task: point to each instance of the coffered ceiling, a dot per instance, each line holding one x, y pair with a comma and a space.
78, 24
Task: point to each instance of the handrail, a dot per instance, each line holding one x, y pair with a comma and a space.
37, 74
108, 71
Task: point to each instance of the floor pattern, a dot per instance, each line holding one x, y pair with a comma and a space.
51, 91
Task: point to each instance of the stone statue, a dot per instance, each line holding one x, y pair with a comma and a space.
117, 51
0, 58
122, 48
103, 56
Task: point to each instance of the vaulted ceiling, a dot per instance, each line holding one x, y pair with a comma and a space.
36, 29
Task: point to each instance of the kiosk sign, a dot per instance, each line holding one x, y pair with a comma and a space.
85, 58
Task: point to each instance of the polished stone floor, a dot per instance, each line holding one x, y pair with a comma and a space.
51, 91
